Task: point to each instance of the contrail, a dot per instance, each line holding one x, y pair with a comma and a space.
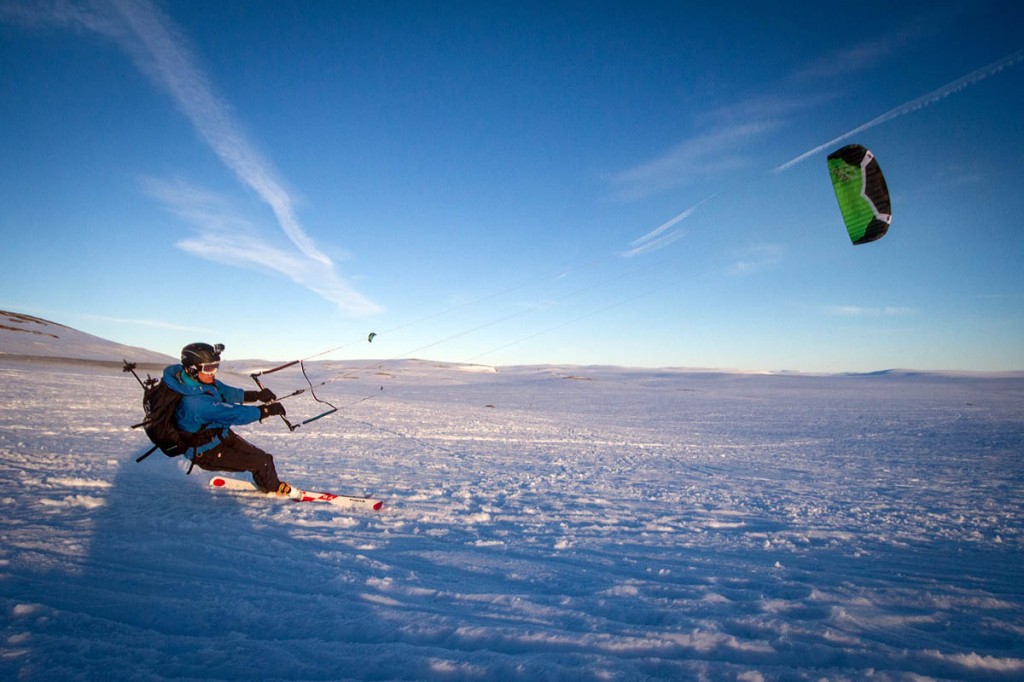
915, 104
654, 245
654, 240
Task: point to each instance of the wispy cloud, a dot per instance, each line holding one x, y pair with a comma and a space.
727, 135
756, 257
866, 311
716, 151
957, 175
154, 44
138, 322
62, 14
224, 236
158, 49
914, 104
874, 52
925, 27
762, 113
658, 238
853, 59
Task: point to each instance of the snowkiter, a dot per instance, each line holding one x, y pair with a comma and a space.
207, 403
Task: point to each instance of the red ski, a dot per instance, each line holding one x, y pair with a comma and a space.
346, 501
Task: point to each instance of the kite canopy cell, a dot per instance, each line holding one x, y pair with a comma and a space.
862, 193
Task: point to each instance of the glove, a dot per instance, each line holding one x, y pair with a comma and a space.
271, 410
264, 395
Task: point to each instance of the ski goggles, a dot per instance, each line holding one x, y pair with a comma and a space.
209, 367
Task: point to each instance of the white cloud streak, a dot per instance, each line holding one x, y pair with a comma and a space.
914, 105
854, 59
147, 323
862, 311
755, 258
716, 151
656, 239
225, 237
654, 244
155, 45
727, 132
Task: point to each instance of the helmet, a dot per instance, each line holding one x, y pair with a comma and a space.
196, 354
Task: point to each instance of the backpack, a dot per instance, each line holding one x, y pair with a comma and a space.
160, 401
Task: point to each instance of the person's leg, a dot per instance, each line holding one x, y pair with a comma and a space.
237, 454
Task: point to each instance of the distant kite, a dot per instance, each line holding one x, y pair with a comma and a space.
862, 193
369, 338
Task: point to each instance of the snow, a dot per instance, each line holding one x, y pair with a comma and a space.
542, 523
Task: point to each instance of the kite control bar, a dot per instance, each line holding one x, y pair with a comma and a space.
291, 427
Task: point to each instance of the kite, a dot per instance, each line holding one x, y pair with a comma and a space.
862, 193
369, 338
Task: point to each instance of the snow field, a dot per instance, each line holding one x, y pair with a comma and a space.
541, 523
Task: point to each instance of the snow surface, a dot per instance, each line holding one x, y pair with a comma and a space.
543, 523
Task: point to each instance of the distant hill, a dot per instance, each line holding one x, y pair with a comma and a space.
27, 337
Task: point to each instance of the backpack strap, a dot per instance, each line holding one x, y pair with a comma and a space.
201, 437
148, 452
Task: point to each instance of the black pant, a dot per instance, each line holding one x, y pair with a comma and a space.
237, 454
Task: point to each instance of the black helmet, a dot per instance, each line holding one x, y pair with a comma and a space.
195, 354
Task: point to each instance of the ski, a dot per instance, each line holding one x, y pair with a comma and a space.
346, 501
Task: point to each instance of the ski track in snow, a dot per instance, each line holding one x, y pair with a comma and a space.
541, 524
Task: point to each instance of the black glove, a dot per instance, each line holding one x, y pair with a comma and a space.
264, 395
271, 410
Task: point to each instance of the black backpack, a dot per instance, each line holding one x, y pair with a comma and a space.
160, 401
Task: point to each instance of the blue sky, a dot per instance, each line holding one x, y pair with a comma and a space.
508, 183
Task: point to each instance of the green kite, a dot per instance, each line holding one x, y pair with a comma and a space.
862, 193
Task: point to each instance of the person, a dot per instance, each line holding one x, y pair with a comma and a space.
211, 406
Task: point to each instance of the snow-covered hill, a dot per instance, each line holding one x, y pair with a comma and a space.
543, 523
25, 335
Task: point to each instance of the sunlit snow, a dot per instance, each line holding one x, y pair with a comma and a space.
541, 523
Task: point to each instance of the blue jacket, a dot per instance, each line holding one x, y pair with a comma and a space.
207, 406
